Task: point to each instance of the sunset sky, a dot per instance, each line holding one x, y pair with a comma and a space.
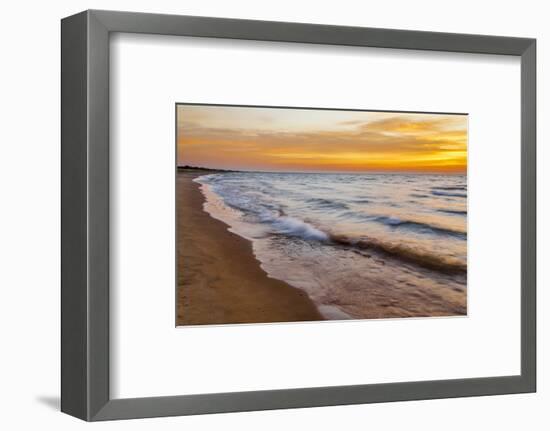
273, 139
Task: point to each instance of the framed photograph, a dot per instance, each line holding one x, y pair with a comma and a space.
293, 214
263, 215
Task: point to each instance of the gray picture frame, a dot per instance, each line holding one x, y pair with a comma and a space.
85, 214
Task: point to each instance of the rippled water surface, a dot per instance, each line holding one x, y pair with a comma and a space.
360, 245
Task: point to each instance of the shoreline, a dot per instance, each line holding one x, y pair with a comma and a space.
219, 280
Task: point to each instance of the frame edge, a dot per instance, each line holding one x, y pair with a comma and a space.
529, 217
294, 32
85, 215
74, 306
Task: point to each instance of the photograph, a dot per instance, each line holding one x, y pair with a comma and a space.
297, 214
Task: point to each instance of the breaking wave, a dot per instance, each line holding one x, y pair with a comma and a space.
346, 212
404, 253
411, 224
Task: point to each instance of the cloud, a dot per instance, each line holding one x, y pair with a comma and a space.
383, 142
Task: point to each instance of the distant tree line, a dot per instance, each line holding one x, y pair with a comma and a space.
200, 168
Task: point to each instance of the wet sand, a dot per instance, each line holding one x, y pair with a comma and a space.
219, 279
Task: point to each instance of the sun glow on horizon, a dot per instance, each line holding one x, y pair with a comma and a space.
309, 140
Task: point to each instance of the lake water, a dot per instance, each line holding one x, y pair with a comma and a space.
360, 245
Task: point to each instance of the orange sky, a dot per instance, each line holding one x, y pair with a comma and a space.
273, 139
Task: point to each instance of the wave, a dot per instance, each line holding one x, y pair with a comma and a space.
424, 259
397, 222
456, 212
262, 207
446, 193
294, 227
449, 188
325, 203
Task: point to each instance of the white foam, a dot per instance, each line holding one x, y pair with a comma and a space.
216, 208
294, 227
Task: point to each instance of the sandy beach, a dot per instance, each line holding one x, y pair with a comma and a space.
219, 279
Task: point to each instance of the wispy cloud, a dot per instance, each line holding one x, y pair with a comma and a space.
270, 139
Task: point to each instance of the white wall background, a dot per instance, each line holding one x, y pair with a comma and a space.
29, 212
